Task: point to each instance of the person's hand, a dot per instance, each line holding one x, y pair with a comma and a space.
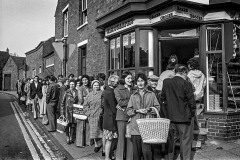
142, 111
120, 108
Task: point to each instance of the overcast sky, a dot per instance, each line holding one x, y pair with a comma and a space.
25, 23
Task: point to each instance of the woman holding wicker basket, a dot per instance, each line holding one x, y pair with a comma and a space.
139, 107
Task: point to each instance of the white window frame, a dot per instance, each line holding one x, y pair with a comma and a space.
34, 72
51, 64
65, 21
84, 13
40, 70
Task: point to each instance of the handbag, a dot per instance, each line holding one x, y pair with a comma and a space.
62, 124
45, 120
23, 98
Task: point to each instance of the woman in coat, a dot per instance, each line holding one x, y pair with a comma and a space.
43, 110
92, 109
82, 132
27, 90
70, 97
122, 95
138, 107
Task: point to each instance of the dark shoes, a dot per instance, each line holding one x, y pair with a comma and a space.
103, 154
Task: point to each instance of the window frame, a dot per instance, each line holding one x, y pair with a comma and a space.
65, 13
83, 13
51, 64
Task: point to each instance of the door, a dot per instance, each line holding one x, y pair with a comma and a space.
7, 82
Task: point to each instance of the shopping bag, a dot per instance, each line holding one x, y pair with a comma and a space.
62, 123
78, 112
45, 119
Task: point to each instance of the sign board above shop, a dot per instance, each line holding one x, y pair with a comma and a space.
177, 11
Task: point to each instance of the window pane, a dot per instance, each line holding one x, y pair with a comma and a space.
115, 53
234, 72
128, 50
214, 37
215, 87
146, 48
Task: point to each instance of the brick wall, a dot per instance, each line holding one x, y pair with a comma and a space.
34, 60
223, 126
11, 68
96, 47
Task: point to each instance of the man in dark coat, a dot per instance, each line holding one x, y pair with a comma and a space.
63, 88
109, 116
52, 98
35, 95
177, 94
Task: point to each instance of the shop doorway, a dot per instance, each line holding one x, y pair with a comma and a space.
183, 48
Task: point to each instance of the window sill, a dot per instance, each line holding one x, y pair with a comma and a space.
50, 66
84, 24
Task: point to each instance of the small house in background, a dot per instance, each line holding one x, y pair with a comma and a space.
4, 55
40, 60
14, 69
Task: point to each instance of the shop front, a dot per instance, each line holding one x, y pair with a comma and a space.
144, 40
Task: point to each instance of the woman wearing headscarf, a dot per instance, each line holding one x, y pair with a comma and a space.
82, 132
92, 109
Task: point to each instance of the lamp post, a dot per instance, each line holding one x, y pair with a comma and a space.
65, 50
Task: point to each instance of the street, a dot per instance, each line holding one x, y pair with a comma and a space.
13, 142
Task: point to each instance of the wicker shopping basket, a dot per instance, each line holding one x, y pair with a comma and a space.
154, 130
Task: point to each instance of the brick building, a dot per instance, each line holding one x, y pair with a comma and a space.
13, 70
141, 35
4, 55
40, 60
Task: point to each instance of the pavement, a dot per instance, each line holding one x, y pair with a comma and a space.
211, 150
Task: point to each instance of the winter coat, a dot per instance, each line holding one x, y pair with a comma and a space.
110, 110
164, 75
137, 102
122, 95
198, 80
69, 98
177, 95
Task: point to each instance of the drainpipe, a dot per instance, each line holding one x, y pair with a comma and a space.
65, 56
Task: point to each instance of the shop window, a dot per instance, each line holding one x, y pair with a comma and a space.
146, 48
65, 23
128, 50
83, 51
83, 12
233, 72
49, 61
115, 53
214, 67
214, 37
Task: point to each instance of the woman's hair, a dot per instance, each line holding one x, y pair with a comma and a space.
175, 57
95, 81
181, 69
79, 80
124, 75
72, 80
44, 82
143, 76
88, 78
193, 64
112, 77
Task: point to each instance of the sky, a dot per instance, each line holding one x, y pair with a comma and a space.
25, 23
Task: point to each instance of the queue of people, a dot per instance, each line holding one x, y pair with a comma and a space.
113, 108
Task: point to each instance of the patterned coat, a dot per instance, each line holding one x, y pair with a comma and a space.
68, 100
92, 109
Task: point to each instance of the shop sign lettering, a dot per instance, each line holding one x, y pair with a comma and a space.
119, 26
177, 11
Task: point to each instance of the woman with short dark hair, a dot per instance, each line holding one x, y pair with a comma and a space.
138, 107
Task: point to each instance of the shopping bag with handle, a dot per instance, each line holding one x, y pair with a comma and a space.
62, 123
